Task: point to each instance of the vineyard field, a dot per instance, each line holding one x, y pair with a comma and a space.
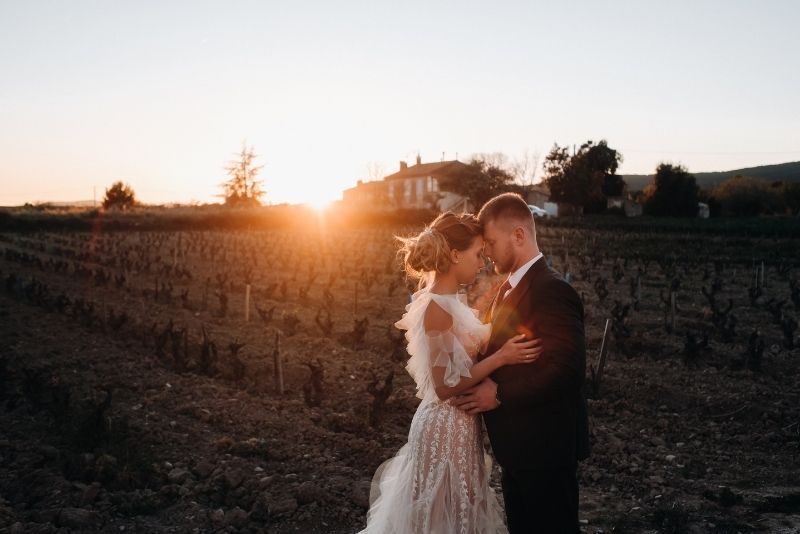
252, 380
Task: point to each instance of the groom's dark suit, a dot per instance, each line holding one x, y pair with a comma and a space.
540, 429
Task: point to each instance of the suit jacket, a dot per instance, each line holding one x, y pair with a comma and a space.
542, 420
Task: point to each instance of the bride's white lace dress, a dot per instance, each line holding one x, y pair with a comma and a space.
438, 482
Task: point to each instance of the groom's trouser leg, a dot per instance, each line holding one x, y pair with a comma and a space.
541, 501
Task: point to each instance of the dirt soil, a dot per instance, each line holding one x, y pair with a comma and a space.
109, 427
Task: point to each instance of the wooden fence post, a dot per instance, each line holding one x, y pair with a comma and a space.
278, 363
639, 288
597, 370
355, 299
247, 303
672, 309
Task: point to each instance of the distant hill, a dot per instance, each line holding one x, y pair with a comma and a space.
782, 172
75, 204
41, 206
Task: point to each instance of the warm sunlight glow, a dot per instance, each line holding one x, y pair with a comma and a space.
319, 205
328, 100
316, 193
318, 200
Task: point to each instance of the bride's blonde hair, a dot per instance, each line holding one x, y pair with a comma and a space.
429, 251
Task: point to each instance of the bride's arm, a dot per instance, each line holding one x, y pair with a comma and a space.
515, 351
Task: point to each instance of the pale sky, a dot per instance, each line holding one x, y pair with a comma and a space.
161, 94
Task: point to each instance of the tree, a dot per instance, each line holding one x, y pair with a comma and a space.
742, 196
119, 196
586, 178
673, 192
478, 180
242, 189
375, 171
493, 159
613, 185
524, 169
791, 197
558, 175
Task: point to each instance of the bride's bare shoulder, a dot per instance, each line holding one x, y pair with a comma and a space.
437, 318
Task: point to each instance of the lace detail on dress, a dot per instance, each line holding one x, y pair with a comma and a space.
438, 483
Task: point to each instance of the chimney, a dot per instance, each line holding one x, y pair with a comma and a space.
403, 166
419, 160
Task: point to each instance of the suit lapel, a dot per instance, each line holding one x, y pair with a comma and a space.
487, 315
511, 302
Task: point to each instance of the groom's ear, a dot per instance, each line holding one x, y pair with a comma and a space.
519, 234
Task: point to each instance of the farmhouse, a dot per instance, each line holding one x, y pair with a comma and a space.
630, 207
411, 187
418, 187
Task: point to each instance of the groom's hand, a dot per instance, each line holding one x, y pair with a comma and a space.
479, 398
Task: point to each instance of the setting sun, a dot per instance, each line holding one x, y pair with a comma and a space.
319, 204
318, 196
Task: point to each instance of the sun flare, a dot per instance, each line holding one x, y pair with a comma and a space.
319, 204
318, 198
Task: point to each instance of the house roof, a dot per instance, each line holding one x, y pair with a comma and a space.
362, 186
424, 169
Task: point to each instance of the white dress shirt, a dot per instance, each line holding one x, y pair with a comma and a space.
516, 276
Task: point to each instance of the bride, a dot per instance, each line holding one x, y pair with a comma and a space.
438, 483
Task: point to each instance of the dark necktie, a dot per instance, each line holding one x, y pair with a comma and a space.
501, 293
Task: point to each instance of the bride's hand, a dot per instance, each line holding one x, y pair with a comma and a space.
518, 350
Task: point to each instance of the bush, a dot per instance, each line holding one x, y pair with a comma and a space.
672, 193
119, 196
791, 197
741, 196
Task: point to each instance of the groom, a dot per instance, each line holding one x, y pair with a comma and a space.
535, 414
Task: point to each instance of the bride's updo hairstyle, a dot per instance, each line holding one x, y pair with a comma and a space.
429, 251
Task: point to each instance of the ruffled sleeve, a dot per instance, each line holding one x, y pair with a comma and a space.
446, 351
435, 348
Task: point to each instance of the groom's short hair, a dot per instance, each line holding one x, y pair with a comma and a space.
507, 206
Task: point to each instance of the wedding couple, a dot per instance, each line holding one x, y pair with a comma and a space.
522, 369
